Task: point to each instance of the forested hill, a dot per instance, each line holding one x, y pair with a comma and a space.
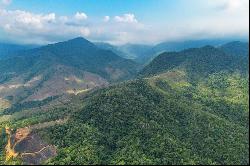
77, 52
197, 62
188, 107
68, 67
8, 50
236, 48
158, 121
167, 117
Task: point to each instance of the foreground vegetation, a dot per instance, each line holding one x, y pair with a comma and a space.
154, 121
191, 109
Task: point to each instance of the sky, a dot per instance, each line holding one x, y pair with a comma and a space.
122, 21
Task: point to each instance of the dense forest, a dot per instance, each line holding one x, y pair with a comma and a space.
188, 107
154, 121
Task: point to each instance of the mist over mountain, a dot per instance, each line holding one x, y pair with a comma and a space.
143, 54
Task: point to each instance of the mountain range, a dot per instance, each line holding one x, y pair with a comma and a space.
77, 102
143, 54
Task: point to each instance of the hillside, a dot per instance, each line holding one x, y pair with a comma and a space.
8, 50
192, 109
197, 62
67, 67
143, 54
182, 45
163, 119
158, 120
236, 48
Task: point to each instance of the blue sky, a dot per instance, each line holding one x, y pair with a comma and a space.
122, 21
142, 8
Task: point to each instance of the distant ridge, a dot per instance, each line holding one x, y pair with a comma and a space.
197, 62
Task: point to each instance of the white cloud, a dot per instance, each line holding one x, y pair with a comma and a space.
106, 18
50, 17
27, 27
214, 19
23, 19
5, 2
232, 5
63, 19
126, 18
81, 16
84, 31
217, 18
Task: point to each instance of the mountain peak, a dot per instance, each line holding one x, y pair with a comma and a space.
79, 39
78, 43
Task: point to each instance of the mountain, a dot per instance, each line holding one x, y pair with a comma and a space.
236, 48
197, 62
182, 45
166, 117
187, 107
7, 50
179, 46
70, 67
143, 54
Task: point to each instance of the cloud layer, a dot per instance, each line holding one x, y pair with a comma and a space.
27, 27
227, 18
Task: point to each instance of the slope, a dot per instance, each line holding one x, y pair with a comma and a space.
8, 50
166, 117
236, 48
191, 108
150, 122
197, 62
66, 67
